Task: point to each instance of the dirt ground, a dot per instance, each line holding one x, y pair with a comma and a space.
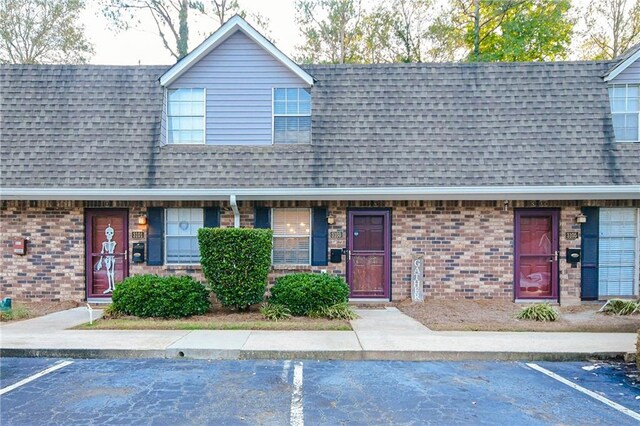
495, 315
23, 309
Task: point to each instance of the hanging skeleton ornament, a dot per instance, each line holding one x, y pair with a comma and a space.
107, 256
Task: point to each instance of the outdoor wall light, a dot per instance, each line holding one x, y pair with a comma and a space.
581, 218
142, 220
331, 219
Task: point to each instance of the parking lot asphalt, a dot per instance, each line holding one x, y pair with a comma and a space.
165, 392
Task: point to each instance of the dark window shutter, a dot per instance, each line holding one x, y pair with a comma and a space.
319, 237
262, 218
590, 232
155, 236
212, 217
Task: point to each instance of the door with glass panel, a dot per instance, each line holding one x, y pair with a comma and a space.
536, 254
618, 252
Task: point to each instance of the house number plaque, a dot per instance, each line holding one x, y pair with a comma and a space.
571, 235
137, 235
417, 278
336, 235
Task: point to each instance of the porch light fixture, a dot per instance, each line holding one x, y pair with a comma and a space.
581, 218
142, 220
331, 219
506, 205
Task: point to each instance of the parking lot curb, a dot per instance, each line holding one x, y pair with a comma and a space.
217, 354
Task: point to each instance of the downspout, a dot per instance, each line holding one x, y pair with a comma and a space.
236, 212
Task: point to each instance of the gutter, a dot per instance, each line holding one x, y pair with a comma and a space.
236, 212
583, 192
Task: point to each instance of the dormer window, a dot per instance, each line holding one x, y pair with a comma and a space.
291, 116
185, 116
625, 111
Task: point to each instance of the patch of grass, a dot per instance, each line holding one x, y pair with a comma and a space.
16, 313
275, 312
156, 324
621, 307
538, 312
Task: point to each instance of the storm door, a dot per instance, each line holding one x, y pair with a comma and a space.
106, 242
368, 256
536, 254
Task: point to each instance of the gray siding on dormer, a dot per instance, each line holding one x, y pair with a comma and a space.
238, 76
629, 76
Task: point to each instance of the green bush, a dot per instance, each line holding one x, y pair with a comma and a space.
275, 312
163, 297
338, 311
621, 307
305, 293
236, 264
538, 312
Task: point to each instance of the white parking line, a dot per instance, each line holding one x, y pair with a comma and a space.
57, 366
585, 391
297, 415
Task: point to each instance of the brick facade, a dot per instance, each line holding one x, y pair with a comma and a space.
467, 245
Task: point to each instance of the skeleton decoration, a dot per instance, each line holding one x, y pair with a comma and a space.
107, 256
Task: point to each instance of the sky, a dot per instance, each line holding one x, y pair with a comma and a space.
142, 45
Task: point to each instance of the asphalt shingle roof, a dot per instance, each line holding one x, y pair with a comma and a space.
373, 125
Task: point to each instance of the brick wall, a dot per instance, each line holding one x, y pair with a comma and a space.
467, 246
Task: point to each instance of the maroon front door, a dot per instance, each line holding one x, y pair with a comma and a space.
106, 242
369, 260
536, 254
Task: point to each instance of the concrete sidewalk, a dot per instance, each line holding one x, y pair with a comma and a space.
379, 334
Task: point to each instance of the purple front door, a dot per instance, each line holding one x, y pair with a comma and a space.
536, 254
369, 260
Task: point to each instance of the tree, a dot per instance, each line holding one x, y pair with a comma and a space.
331, 29
411, 18
170, 16
507, 30
612, 27
42, 32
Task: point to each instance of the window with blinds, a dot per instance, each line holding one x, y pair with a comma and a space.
291, 116
181, 235
291, 236
618, 252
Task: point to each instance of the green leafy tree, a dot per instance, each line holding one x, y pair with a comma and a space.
331, 30
507, 30
42, 32
611, 27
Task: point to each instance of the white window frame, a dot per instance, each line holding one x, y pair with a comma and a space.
636, 274
626, 89
310, 236
166, 234
204, 116
274, 115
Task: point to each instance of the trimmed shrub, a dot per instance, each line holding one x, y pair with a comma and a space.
275, 312
162, 297
620, 307
538, 312
236, 264
305, 293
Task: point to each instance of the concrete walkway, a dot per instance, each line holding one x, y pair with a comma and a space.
380, 334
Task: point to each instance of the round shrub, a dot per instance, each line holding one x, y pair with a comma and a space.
163, 297
305, 293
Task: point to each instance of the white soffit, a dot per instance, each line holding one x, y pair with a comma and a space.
623, 66
218, 37
601, 192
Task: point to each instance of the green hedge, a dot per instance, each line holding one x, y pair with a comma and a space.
163, 297
236, 264
307, 293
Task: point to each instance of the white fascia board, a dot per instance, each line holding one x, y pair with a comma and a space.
623, 66
601, 192
220, 36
